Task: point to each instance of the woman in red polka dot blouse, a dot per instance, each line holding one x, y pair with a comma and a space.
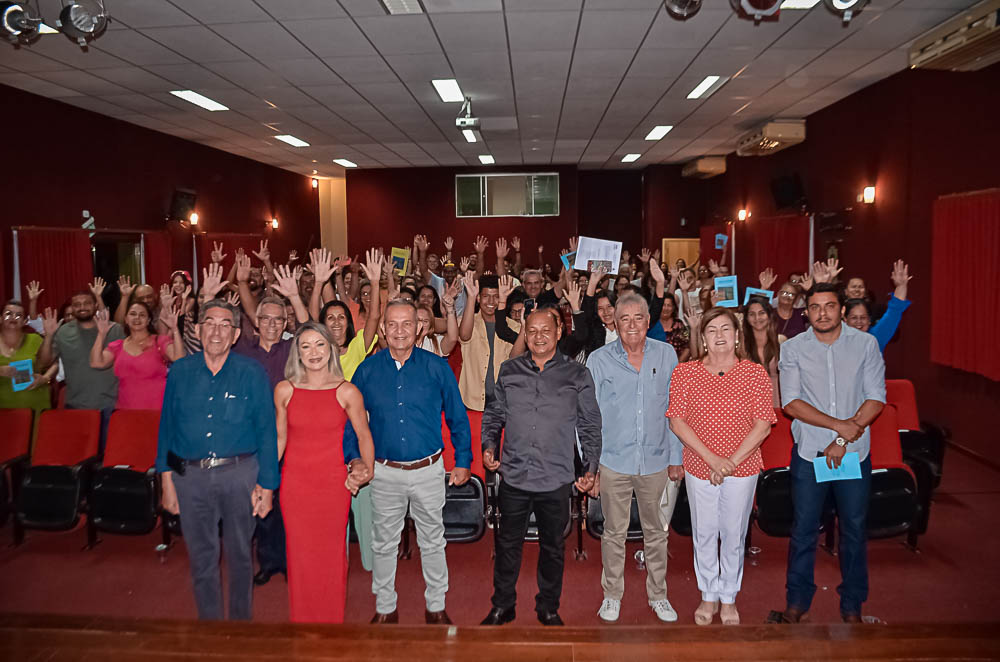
721, 408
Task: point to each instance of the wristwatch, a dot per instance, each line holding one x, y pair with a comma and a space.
840, 441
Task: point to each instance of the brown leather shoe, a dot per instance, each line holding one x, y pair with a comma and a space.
383, 619
437, 617
851, 617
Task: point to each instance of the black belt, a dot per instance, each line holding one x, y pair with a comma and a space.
213, 462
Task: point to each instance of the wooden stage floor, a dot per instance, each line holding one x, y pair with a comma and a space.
31, 638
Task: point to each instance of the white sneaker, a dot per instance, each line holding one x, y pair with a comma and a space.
663, 610
610, 609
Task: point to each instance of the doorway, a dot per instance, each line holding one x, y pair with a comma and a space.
677, 249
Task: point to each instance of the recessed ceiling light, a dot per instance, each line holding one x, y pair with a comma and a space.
396, 7
707, 87
629, 158
799, 4
198, 100
345, 163
470, 135
658, 132
448, 89
292, 140
486, 159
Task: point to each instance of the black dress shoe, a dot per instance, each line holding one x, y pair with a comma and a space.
549, 618
851, 617
264, 576
437, 617
382, 619
498, 616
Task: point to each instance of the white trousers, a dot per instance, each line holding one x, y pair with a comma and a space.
719, 512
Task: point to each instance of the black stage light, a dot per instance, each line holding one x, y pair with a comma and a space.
83, 21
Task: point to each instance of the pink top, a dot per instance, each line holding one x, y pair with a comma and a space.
721, 410
141, 379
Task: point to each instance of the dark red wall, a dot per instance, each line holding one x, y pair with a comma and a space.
672, 206
388, 207
61, 159
915, 136
611, 205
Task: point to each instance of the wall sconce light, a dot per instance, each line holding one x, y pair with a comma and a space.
743, 214
868, 195
315, 183
274, 223
193, 218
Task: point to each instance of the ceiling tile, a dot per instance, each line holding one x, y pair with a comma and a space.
196, 42
893, 29
601, 63
189, 76
400, 35
338, 37
29, 83
694, 33
425, 67
59, 48
781, 62
540, 65
136, 48
263, 41
301, 9
248, 74
138, 103
134, 78
82, 82
23, 59
304, 71
604, 30
149, 14
356, 70
541, 31
661, 63
470, 33
486, 65
223, 11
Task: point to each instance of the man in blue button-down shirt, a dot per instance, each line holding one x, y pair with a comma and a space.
218, 458
833, 385
640, 453
405, 390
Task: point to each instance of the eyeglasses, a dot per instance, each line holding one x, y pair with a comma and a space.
17, 317
787, 295
270, 319
221, 326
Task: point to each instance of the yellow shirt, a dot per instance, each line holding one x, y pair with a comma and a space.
475, 361
356, 353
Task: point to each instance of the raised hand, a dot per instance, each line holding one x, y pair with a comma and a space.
502, 248
767, 278
685, 281
900, 273
515, 243
264, 255
212, 281
103, 319
713, 266
506, 286
463, 265
233, 299
372, 265
675, 273
242, 268
50, 323
693, 318
319, 264
125, 286
574, 295
807, 281
448, 243
293, 255
168, 315
97, 287
656, 255
420, 243
644, 255
450, 294
596, 276
716, 297
820, 272
217, 254
656, 272
480, 244
471, 285
574, 242
34, 290
833, 267
286, 283
166, 295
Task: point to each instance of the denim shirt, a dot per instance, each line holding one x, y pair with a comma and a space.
635, 430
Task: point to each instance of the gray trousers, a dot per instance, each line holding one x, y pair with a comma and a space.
423, 492
208, 497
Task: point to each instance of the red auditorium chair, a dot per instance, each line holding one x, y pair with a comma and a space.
894, 504
15, 445
922, 444
52, 490
123, 495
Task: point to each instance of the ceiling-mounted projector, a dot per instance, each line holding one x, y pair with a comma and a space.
772, 137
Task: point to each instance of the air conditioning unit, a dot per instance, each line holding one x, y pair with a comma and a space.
772, 137
705, 167
967, 42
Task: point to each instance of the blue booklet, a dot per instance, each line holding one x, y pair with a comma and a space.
756, 291
849, 469
23, 376
728, 291
721, 240
567, 260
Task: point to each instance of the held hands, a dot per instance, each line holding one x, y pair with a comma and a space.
722, 466
834, 454
595, 491
585, 483
675, 472
262, 501
357, 475
489, 460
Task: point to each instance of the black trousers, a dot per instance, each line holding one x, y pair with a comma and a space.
271, 539
551, 511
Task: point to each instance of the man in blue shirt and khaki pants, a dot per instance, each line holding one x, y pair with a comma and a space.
405, 390
218, 457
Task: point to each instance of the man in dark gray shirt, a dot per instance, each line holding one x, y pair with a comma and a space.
544, 401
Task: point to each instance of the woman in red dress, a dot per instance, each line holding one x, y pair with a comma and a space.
312, 406
721, 408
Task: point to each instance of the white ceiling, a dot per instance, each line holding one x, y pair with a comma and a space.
553, 81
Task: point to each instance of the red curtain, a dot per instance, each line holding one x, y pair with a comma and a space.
966, 235
59, 259
159, 257
779, 242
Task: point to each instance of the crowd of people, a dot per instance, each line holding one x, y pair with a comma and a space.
294, 394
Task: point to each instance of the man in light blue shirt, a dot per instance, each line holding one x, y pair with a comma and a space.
833, 385
640, 453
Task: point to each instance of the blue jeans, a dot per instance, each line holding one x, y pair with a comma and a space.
851, 499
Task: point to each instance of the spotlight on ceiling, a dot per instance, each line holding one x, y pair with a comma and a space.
682, 9
756, 10
20, 25
83, 21
846, 9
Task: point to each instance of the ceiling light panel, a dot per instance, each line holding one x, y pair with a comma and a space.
707, 87
345, 163
398, 7
486, 159
448, 90
198, 100
799, 4
629, 158
292, 140
658, 132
